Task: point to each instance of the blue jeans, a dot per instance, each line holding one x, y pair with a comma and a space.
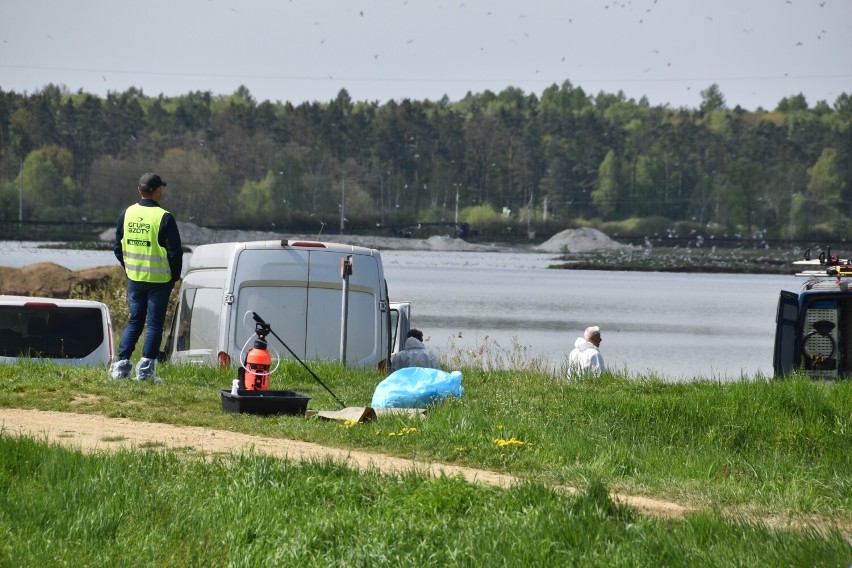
148, 303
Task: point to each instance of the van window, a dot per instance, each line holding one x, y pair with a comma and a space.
199, 318
50, 332
324, 325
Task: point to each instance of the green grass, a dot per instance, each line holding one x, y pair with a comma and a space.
148, 508
758, 447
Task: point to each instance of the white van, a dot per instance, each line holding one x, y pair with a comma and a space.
66, 332
297, 288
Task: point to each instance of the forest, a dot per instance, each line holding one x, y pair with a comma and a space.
501, 162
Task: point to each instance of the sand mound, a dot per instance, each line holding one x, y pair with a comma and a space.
580, 240
50, 280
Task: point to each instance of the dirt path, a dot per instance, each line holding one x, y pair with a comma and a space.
92, 433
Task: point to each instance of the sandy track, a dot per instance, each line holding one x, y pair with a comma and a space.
92, 433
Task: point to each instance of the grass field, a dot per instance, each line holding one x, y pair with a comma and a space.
744, 454
58, 507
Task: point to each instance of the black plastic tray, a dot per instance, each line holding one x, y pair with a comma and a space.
265, 402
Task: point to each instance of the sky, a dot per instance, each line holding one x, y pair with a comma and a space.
757, 51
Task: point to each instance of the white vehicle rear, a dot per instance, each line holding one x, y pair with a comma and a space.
296, 287
66, 332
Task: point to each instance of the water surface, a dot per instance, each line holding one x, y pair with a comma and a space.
676, 325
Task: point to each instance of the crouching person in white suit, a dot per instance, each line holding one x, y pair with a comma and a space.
414, 354
586, 357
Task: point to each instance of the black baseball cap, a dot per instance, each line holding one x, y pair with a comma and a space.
150, 182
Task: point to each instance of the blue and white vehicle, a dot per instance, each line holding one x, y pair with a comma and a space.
813, 327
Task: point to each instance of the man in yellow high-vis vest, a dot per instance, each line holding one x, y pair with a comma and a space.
148, 246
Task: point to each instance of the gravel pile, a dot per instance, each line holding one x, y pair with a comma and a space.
580, 240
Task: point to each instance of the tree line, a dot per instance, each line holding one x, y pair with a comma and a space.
504, 161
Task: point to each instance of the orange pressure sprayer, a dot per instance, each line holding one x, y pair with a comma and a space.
254, 373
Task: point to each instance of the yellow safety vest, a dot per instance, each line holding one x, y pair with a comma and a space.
144, 259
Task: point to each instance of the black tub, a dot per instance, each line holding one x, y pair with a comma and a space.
265, 402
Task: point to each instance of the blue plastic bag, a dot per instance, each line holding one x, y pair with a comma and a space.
416, 387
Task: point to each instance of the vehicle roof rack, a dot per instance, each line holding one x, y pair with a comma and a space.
830, 265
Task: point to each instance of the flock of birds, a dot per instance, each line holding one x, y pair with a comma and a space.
645, 12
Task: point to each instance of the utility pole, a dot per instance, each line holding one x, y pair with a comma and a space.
382, 198
342, 204
21, 193
457, 202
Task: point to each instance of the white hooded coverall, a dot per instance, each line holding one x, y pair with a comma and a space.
585, 357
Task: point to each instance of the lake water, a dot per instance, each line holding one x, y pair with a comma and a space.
489, 305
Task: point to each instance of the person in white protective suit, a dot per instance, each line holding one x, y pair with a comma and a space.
414, 354
586, 357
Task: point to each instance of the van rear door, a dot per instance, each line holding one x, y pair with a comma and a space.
400, 316
787, 341
364, 333
273, 283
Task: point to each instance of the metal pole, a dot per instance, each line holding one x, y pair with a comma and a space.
345, 272
21, 193
342, 204
457, 203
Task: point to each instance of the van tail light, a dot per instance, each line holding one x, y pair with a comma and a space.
224, 360
39, 305
383, 365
